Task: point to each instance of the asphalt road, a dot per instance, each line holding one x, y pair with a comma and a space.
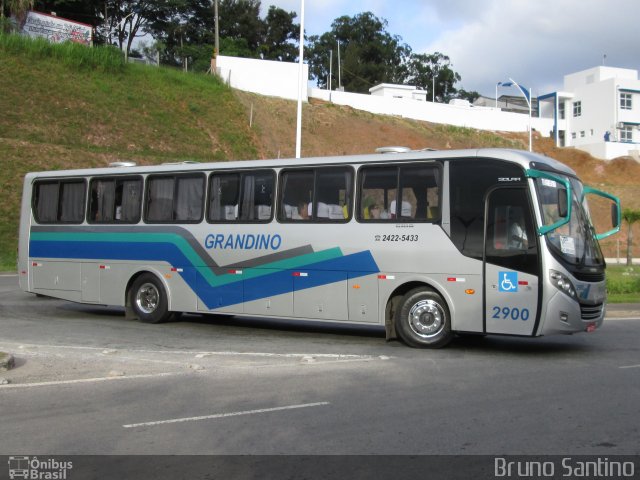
88, 381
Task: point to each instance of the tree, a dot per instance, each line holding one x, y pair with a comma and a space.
630, 217
370, 54
90, 12
186, 29
17, 8
124, 20
280, 36
424, 68
240, 19
471, 96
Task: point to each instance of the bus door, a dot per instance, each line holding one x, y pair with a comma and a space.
511, 266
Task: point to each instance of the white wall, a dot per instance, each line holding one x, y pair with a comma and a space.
265, 77
598, 113
481, 118
280, 79
610, 150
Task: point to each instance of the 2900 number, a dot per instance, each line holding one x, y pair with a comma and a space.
504, 313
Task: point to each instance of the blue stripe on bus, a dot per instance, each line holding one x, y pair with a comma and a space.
279, 281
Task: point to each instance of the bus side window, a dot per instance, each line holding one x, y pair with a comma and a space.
115, 200
175, 198
256, 196
189, 199
296, 195
333, 194
60, 201
101, 202
45, 204
224, 192
420, 187
378, 190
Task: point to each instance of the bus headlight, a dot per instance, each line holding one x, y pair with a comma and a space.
562, 283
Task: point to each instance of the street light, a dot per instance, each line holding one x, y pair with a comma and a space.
497, 85
526, 93
433, 84
126, 50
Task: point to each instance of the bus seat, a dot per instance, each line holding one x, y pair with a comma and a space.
263, 212
322, 210
405, 210
336, 212
289, 211
230, 212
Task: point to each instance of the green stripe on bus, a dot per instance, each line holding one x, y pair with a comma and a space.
188, 251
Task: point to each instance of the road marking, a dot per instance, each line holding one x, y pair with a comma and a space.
8, 275
225, 415
630, 366
90, 380
201, 354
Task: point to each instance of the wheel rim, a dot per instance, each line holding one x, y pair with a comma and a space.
147, 298
426, 318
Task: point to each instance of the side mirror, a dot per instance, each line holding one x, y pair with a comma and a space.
615, 215
562, 203
616, 218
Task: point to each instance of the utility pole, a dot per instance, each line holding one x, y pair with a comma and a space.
330, 68
301, 84
216, 51
217, 29
339, 70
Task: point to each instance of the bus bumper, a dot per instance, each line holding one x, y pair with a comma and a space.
565, 315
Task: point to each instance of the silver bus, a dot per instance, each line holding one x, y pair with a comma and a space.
425, 243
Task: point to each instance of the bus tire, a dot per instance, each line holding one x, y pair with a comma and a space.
148, 299
423, 319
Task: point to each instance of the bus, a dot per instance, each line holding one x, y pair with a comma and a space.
428, 244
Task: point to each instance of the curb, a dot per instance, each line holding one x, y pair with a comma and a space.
7, 362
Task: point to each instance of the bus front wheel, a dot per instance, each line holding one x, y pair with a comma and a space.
423, 319
148, 299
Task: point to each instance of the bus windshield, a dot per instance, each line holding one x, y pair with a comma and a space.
574, 242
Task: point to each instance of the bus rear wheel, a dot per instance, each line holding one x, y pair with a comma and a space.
423, 319
148, 299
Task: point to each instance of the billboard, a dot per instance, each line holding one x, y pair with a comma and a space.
56, 29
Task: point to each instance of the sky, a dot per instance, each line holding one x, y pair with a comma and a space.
534, 42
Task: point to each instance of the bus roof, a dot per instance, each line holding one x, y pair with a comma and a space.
521, 157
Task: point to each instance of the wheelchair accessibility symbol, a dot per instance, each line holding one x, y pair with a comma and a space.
508, 282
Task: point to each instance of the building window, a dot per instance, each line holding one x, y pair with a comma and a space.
577, 109
625, 101
626, 133
561, 110
573, 135
582, 135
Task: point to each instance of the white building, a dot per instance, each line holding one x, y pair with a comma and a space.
389, 90
598, 111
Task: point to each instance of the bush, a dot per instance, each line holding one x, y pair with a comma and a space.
107, 59
623, 281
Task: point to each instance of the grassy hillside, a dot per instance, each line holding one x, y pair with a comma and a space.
69, 106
